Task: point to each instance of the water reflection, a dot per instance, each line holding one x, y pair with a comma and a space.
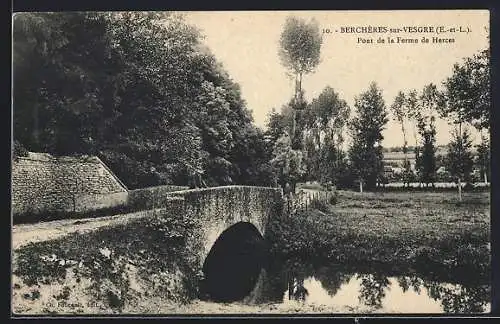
406, 293
331, 280
296, 289
236, 270
454, 298
373, 289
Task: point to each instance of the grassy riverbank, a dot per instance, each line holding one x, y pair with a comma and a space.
109, 269
429, 233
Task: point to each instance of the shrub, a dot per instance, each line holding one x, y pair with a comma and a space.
468, 186
19, 150
333, 199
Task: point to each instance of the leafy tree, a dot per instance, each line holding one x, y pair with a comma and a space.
467, 95
287, 163
467, 91
55, 97
329, 114
459, 158
153, 102
430, 99
400, 112
483, 159
311, 159
300, 45
95, 83
325, 119
332, 166
276, 125
413, 114
426, 162
279, 128
299, 119
252, 155
366, 152
135, 88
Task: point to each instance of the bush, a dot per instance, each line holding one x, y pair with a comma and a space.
346, 180
468, 186
18, 149
333, 199
311, 233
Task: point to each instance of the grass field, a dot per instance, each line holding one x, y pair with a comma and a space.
438, 215
430, 233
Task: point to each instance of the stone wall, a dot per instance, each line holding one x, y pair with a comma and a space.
41, 182
218, 208
225, 204
100, 201
150, 197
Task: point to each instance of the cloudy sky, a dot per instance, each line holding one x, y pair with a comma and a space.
247, 45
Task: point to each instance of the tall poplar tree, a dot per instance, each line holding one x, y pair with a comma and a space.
299, 51
366, 150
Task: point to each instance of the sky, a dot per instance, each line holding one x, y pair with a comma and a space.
247, 43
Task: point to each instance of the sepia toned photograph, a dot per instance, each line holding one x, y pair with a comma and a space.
209, 163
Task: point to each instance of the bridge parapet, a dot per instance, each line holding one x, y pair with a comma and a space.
218, 208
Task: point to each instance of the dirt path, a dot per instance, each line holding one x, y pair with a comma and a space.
23, 234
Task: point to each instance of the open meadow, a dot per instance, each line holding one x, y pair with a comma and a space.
428, 232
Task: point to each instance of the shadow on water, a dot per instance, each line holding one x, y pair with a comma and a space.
238, 268
234, 264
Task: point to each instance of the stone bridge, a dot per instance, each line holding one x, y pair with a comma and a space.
219, 222
217, 209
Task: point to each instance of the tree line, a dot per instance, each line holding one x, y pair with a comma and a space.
142, 92
137, 89
308, 136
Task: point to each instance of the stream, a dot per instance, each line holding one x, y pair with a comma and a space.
238, 270
326, 289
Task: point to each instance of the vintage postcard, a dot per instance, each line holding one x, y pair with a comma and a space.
251, 162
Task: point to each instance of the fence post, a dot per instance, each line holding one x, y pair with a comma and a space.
75, 192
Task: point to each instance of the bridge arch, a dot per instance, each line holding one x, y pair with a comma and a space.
219, 208
233, 264
228, 213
